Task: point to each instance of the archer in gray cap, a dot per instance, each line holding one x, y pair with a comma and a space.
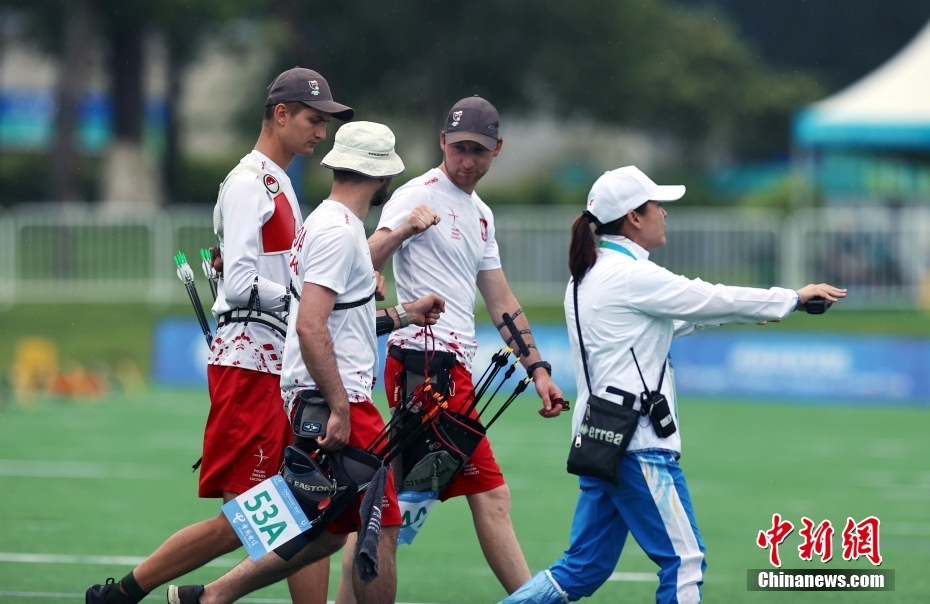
456, 257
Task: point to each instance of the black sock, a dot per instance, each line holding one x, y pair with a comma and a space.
127, 592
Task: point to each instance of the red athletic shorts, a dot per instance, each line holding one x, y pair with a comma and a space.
367, 423
247, 430
481, 473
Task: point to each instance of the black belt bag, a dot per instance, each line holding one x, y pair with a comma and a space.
604, 435
442, 451
606, 429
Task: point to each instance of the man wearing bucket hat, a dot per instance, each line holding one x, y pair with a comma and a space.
623, 311
256, 218
454, 258
332, 348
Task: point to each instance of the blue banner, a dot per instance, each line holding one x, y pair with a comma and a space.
733, 363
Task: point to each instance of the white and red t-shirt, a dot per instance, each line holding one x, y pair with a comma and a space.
444, 260
260, 216
331, 250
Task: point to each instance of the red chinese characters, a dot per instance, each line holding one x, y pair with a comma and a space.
816, 541
862, 540
773, 537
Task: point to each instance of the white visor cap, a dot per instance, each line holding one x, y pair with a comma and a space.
618, 191
366, 148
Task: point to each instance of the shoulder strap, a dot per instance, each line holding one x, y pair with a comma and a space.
218, 209
339, 305
584, 356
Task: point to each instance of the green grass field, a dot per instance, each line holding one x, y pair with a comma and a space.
113, 480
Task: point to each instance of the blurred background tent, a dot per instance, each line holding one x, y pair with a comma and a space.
870, 142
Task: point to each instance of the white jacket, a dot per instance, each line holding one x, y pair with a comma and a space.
626, 301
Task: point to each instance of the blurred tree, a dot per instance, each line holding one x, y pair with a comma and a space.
645, 63
839, 41
69, 28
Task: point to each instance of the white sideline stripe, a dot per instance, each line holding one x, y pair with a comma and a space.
103, 560
645, 577
33, 468
46, 594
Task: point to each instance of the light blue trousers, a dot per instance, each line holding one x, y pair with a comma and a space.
653, 503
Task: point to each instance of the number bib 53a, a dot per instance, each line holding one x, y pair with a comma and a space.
266, 516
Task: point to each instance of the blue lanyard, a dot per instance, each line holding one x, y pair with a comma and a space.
616, 247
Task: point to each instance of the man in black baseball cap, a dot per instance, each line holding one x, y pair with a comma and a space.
308, 87
464, 245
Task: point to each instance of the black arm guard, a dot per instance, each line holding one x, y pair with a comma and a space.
384, 324
515, 334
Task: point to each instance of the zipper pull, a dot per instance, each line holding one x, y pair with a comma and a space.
578, 440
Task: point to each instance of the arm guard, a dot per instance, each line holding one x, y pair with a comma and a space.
384, 324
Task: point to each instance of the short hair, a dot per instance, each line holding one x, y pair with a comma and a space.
350, 177
293, 108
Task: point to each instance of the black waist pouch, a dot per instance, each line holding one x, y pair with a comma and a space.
604, 436
436, 458
324, 484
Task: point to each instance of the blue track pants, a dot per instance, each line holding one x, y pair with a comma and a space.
653, 503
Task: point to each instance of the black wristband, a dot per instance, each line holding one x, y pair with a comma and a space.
532, 368
384, 324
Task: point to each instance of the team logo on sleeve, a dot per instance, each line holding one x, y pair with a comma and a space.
314, 87
456, 117
271, 183
484, 229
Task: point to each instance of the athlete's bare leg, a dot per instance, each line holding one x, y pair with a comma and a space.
383, 590
310, 585
346, 593
251, 575
187, 550
491, 513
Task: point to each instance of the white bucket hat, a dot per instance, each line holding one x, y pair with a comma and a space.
366, 148
618, 191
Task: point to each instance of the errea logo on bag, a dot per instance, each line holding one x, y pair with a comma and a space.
605, 435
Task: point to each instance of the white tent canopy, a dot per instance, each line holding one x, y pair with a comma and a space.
889, 107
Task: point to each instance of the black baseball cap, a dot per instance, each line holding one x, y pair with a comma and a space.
473, 119
308, 87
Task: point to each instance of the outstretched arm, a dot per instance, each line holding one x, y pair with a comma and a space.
500, 300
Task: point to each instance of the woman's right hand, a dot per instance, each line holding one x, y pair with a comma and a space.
830, 293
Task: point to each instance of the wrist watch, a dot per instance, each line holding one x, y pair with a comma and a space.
402, 315
532, 368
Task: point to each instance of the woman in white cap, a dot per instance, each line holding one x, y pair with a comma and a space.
625, 441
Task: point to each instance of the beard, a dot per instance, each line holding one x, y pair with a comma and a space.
381, 195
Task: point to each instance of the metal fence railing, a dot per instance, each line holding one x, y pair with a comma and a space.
89, 253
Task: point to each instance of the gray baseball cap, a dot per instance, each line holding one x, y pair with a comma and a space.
473, 119
308, 87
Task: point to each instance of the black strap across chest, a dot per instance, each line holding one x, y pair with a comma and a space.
338, 305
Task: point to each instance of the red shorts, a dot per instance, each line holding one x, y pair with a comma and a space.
481, 473
366, 422
247, 430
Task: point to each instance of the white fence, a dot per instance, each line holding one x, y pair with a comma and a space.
83, 253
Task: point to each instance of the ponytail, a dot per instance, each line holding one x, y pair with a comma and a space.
582, 252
